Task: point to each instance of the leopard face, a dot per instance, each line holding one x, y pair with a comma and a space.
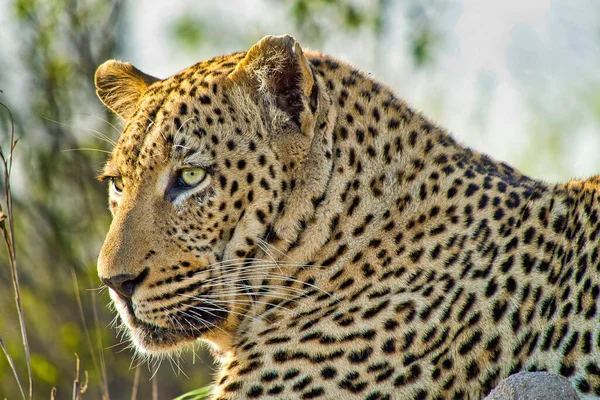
204, 163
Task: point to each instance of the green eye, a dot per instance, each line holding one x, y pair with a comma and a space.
117, 184
191, 176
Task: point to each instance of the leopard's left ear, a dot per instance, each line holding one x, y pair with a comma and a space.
120, 85
276, 68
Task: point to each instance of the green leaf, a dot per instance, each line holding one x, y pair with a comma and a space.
197, 394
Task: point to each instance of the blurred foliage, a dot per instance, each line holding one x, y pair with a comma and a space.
315, 19
351, 16
424, 34
188, 31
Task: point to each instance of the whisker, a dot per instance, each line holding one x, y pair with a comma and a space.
116, 345
219, 308
104, 137
101, 119
197, 317
272, 276
240, 285
269, 245
241, 301
240, 272
98, 134
155, 367
87, 149
248, 262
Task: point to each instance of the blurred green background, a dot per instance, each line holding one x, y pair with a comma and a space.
519, 82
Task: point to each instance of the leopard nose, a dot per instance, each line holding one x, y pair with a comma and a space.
125, 284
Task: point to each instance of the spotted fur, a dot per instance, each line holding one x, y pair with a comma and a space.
341, 245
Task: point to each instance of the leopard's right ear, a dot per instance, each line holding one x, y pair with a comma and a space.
120, 85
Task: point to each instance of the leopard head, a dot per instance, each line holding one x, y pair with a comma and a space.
204, 171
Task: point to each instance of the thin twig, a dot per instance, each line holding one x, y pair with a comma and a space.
155, 384
104, 377
84, 386
79, 388
136, 383
76, 388
8, 233
99, 370
13, 367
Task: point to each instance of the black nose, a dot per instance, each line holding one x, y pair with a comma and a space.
125, 284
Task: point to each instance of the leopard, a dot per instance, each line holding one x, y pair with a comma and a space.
327, 240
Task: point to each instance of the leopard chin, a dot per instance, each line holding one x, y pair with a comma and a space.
178, 333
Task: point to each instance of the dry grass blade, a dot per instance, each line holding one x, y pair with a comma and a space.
79, 387
99, 369
76, 392
136, 383
155, 384
104, 375
7, 227
13, 367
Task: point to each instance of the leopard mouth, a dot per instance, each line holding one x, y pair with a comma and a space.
184, 328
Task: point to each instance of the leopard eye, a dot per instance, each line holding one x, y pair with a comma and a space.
191, 177
116, 183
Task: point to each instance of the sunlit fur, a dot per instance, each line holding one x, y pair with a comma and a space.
341, 244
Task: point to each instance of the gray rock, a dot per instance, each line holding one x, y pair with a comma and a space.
533, 386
